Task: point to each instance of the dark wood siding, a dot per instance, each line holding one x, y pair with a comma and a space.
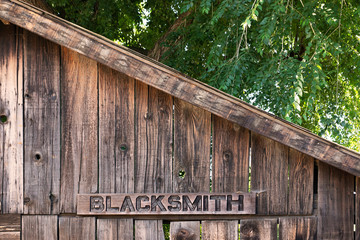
75, 126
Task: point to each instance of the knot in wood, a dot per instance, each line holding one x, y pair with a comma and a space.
52, 197
26, 200
227, 155
4, 116
250, 231
148, 116
37, 157
123, 147
184, 234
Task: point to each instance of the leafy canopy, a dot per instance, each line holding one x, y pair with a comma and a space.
296, 59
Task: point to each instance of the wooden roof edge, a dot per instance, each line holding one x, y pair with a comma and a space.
171, 81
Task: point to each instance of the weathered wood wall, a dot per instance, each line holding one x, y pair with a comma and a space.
71, 125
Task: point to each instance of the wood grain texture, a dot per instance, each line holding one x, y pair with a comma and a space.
79, 126
73, 228
42, 125
214, 230
192, 133
335, 203
258, 229
116, 131
10, 235
121, 229
149, 230
178, 85
192, 148
154, 112
291, 228
357, 209
10, 223
5, 22
11, 126
301, 183
189, 230
231, 145
153, 171
269, 172
40, 227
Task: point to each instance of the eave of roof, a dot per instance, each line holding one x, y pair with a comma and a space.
170, 81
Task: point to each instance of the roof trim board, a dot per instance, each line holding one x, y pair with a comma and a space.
174, 83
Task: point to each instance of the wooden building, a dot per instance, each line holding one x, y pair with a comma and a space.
82, 115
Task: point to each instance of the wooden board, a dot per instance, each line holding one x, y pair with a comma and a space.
167, 204
149, 230
10, 223
192, 132
10, 235
258, 229
269, 173
189, 230
301, 183
77, 228
116, 131
192, 148
357, 209
42, 125
297, 228
11, 124
5, 22
335, 203
79, 126
231, 145
121, 229
39, 227
153, 171
154, 113
214, 230
163, 78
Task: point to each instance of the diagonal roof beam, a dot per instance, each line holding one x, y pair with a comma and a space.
170, 81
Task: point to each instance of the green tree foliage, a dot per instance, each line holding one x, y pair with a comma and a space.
137, 24
296, 59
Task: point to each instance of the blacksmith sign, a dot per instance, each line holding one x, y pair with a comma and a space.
167, 204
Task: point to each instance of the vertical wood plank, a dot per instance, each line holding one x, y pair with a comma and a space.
149, 230
214, 230
116, 132
335, 203
154, 139
357, 208
301, 183
297, 228
121, 229
192, 148
231, 145
40, 227
42, 125
189, 230
77, 228
153, 171
79, 125
269, 172
192, 132
116, 145
11, 123
258, 229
